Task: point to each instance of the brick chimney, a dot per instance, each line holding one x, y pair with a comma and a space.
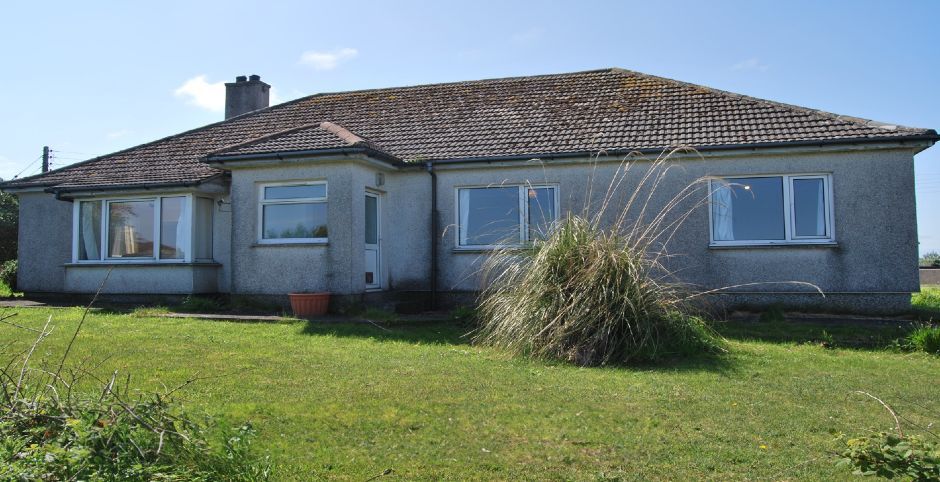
245, 95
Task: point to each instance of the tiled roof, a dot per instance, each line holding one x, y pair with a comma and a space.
323, 136
611, 109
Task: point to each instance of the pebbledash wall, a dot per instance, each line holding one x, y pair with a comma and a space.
46, 267
871, 266
338, 265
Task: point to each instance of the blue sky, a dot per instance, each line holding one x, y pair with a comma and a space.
88, 78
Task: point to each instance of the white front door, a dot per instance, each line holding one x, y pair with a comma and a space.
373, 237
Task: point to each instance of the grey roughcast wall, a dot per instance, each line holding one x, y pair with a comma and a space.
874, 211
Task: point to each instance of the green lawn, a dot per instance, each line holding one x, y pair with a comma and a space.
927, 302
350, 401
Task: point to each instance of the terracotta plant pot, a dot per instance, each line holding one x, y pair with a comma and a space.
309, 304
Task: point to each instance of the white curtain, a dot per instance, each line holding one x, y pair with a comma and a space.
722, 213
91, 229
463, 227
182, 229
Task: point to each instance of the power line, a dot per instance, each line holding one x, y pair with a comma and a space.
28, 166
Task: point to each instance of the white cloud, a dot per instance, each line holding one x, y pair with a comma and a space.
751, 64
327, 60
118, 133
199, 92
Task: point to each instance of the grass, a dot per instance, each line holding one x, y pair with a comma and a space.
351, 401
927, 302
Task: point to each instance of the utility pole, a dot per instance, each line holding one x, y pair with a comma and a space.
45, 158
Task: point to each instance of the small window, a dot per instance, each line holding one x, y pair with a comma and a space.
501, 215
771, 210
291, 213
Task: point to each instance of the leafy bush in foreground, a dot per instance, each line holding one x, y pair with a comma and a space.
888, 455
594, 291
108, 439
50, 432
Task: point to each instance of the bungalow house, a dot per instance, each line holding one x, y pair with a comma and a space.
376, 193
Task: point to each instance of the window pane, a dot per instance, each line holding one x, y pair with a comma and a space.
287, 221
295, 192
809, 207
489, 216
541, 211
203, 235
372, 220
748, 209
173, 227
89, 230
130, 229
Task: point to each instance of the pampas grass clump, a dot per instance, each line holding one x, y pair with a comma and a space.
595, 292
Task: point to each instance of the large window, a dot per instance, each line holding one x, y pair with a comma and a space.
771, 210
158, 228
500, 215
293, 213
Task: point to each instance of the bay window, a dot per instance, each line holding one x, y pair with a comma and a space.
504, 214
293, 212
783, 209
160, 228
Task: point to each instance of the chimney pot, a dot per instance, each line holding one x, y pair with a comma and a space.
244, 96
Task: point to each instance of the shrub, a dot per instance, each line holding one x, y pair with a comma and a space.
888, 455
595, 291
109, 438
931, 259
8, 274
9, 219
925, 338
50, 432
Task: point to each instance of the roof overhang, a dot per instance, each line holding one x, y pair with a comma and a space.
915, 143
222, 160
68, 193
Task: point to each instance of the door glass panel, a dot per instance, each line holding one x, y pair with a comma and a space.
372, 220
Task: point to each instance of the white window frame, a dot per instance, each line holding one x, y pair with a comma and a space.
523, 213
789, 214
105, 240
262, 202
